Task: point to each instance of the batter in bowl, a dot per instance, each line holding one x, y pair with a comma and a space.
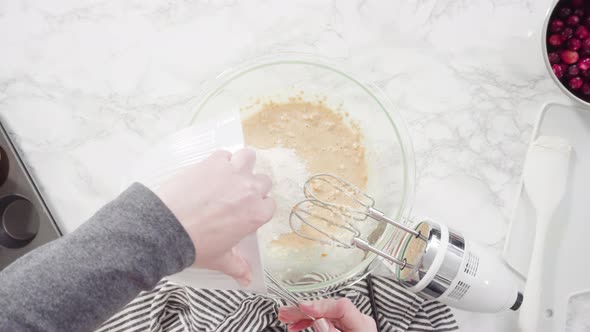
321, 140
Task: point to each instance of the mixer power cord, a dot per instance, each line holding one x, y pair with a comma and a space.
373, 303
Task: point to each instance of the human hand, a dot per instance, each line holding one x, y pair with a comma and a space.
219, 201
331, 316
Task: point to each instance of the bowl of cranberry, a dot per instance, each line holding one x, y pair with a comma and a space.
567, 47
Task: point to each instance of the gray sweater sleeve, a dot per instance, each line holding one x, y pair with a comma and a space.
78, 281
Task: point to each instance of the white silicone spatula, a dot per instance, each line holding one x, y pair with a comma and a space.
545, 178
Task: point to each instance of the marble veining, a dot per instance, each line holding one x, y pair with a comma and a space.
87, 86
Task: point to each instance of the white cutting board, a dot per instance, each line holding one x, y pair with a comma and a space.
567, 271
182, 149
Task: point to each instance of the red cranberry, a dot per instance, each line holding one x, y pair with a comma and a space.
575, 83
586, 21
569, 57
567, 33
573, 20
579, 12
555, 40
586, 89
584, 64
556, 25
584, 73
574, 44
577, 3
558, 70
582, 32
564, 12
553, 57
573, 70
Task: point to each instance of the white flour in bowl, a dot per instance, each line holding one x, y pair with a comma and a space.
288, 174
291, 262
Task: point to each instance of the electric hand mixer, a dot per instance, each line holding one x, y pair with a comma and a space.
437, 262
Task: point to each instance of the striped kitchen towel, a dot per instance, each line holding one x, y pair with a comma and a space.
174, 308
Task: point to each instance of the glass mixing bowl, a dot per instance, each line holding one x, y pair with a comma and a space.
387, 146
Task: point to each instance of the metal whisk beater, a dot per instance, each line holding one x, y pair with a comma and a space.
444, 265
333, 203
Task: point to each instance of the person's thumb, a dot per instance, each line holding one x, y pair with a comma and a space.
236, 266
349, 318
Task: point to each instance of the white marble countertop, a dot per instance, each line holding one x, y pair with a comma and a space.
87, 86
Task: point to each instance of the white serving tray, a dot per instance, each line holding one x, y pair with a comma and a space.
567, 271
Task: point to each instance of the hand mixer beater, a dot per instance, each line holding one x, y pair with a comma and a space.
433, 260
